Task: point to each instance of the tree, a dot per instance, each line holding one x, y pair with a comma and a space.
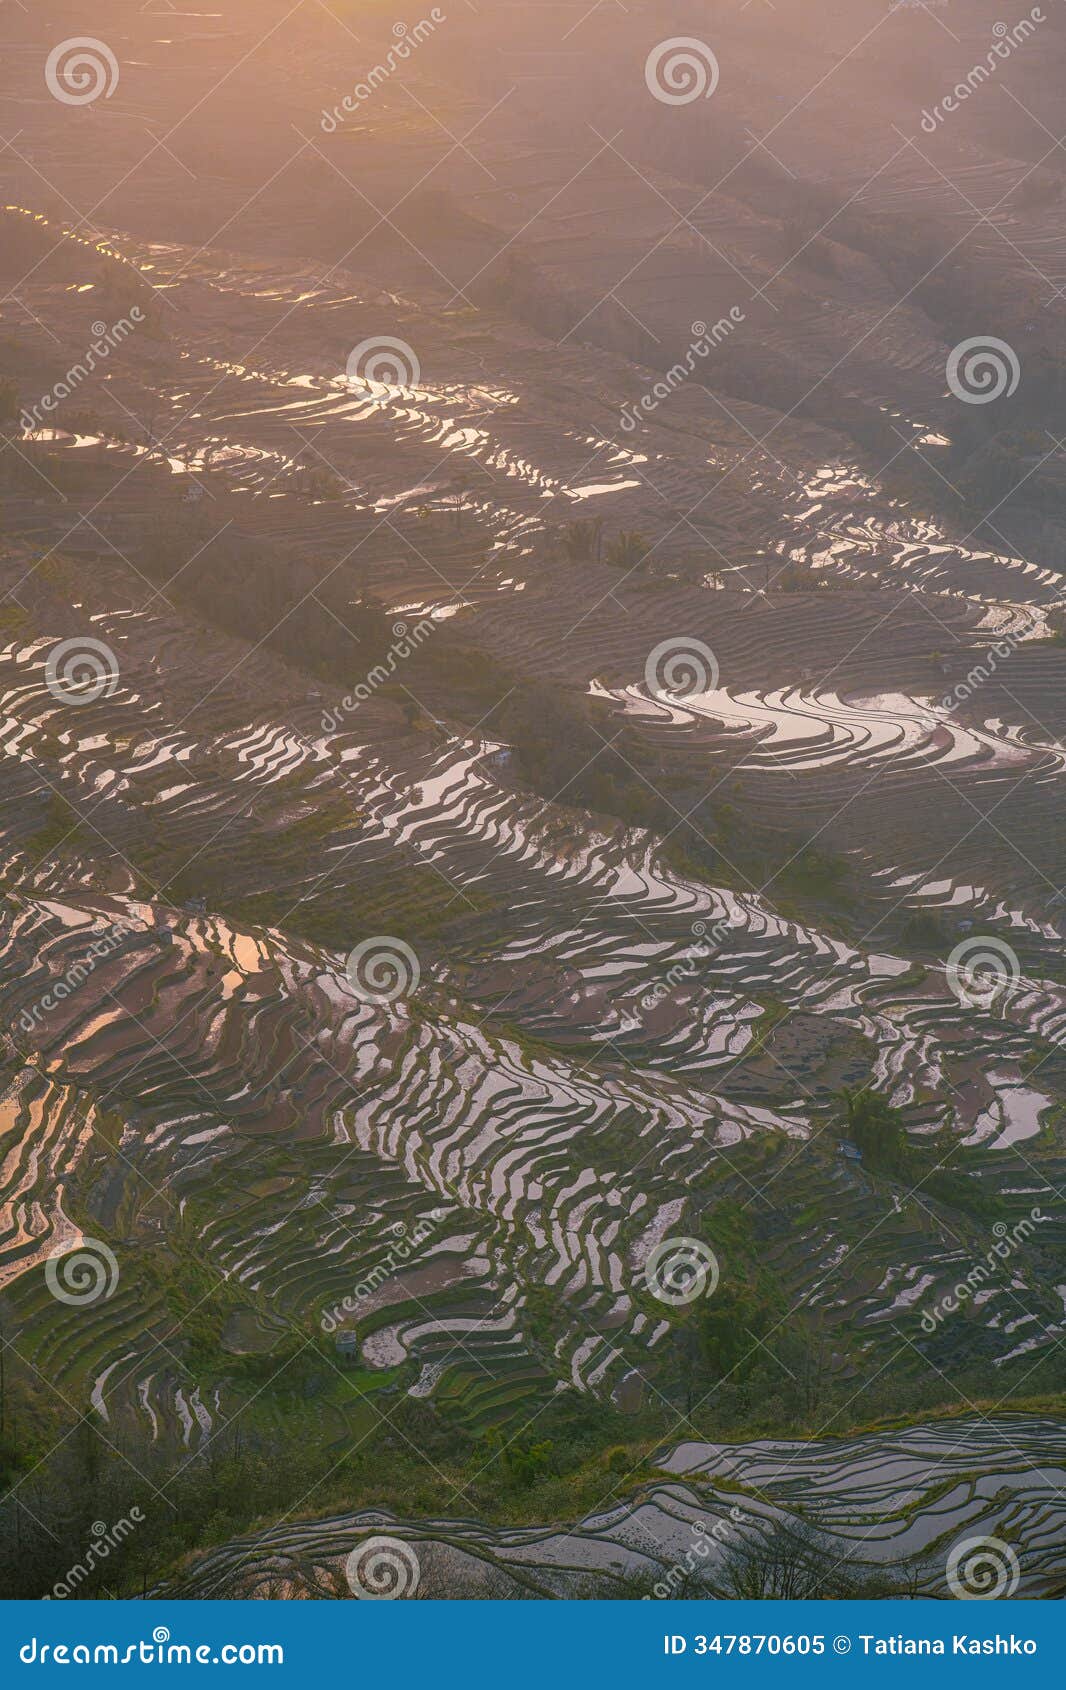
875, 1127
458, 491
523, 1461
583, 539
797, 1563
9, 405
628, 551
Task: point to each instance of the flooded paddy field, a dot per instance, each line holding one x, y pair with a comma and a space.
891, 1503
481, 811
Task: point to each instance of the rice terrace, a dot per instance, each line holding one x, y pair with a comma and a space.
532, 800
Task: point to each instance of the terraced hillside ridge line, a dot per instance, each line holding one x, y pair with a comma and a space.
884, 1503
462, 1116
531, 859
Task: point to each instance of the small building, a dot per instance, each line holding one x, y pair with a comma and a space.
347, 1346
850, 1150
